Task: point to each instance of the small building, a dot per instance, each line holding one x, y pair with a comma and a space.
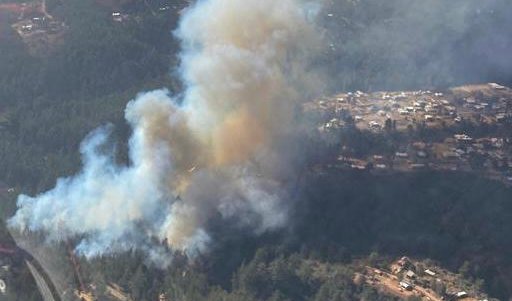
374, 125
119, 17
417, 166
3, 287
410, 274
403, 112
501, 117
421, 154
430, 272
358, 166
406, 286
402, 155
419, 145
404, 262
463, 138
461, 295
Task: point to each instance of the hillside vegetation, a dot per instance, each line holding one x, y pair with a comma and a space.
49, 104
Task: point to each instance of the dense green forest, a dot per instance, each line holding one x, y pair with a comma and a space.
49, 104
270, 275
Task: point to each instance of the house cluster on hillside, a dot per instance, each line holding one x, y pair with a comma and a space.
406, 278
466, 129
490, 156
36, 27
488, 104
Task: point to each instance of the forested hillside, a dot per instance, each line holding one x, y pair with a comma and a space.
48, 104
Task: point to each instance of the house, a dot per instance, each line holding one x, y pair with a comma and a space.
374, 125
501, 117
419, 145
404, 262
461, 295
430, 272
119, 17
421, 154
417, 166
378, 158
401, 155
358, 167
463, 138
403, 112
410, 274
406, 286
470, 100
3, 287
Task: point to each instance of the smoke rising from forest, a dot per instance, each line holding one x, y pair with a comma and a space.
200, 157
215, 152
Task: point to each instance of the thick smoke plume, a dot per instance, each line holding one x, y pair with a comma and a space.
209, 155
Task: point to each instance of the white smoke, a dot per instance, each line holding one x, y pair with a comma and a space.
211, 155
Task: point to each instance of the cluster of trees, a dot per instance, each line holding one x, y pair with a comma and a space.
271, 275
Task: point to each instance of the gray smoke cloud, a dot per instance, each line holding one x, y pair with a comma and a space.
207, 156
417, 44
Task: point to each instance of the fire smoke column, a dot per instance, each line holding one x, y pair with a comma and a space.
210, 156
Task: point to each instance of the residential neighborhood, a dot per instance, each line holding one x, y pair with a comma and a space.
36, 27
462, 129
423, 279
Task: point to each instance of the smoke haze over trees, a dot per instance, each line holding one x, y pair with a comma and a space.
401, 44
